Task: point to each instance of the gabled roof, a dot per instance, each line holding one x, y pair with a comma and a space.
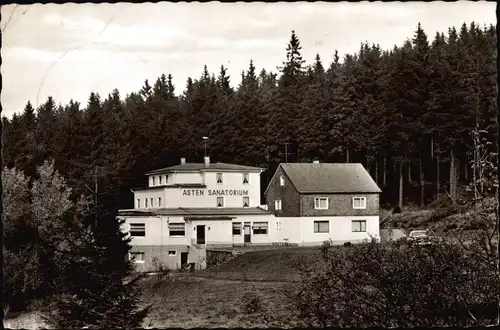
209, 212
192, 167
330, 178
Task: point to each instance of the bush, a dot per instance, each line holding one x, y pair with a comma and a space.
251, 303
393, 285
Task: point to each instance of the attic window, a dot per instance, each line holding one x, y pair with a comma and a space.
321, 203
277, 204
359, 202
282, 181
246, 178
159, 179
154, 180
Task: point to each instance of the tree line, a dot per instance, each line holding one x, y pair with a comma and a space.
408, 114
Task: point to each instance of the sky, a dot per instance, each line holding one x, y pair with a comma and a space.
68, 51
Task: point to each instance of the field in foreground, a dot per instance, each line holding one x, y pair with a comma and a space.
217, 297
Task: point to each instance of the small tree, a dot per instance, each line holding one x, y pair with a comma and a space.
99, 289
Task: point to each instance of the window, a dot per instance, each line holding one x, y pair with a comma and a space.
151, 201
177, 229
159, 201
278, 225
236, 228
359, 202
166, 178
159, 179
260, 228
246, 201
321, 203
246, 178
219, 178
282, 181
172, 253
145, 202
220, 201
138, 229
154, 180
137, 257
321, 226
277, 204
138, 203
358, 225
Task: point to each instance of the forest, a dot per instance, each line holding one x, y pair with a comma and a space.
410, 115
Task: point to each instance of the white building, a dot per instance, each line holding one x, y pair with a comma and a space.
193, 206
190, 207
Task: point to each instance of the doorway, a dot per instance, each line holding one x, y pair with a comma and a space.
247, 232
200, 234
184, 258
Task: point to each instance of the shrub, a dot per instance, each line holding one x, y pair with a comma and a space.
251, 303
392, 285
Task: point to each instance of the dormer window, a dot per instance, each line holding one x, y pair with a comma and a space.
282, 181
246, 178
219, 178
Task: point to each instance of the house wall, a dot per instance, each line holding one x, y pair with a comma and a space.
149, 193
340, 230
339, 205
173, 197
289, 196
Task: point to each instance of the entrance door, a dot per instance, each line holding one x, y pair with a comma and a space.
247, 232
184, 258
200, 234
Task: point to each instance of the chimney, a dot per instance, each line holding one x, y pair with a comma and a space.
183, 161
316, 162
207, 161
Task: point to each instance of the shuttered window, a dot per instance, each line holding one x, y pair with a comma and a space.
260, 228
138, 229
177, 229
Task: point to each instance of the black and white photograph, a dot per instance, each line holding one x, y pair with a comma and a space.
250, 165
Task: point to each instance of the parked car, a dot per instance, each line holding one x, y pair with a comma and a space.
419, 237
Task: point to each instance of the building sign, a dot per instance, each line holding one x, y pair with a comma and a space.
214, 192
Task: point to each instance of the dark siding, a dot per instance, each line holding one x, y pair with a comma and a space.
290, 198
340, 205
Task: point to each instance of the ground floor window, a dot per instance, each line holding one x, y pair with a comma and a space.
177, 229
138, 229
137, 257
236, 228
358, 225
172, 253
260, 228
322, 226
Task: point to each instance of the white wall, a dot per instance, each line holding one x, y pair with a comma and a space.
340, 229
150, 193
202, 197
296, 230
205, 197
193, 177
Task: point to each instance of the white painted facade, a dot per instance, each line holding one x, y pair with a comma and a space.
175, 194
188, 200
